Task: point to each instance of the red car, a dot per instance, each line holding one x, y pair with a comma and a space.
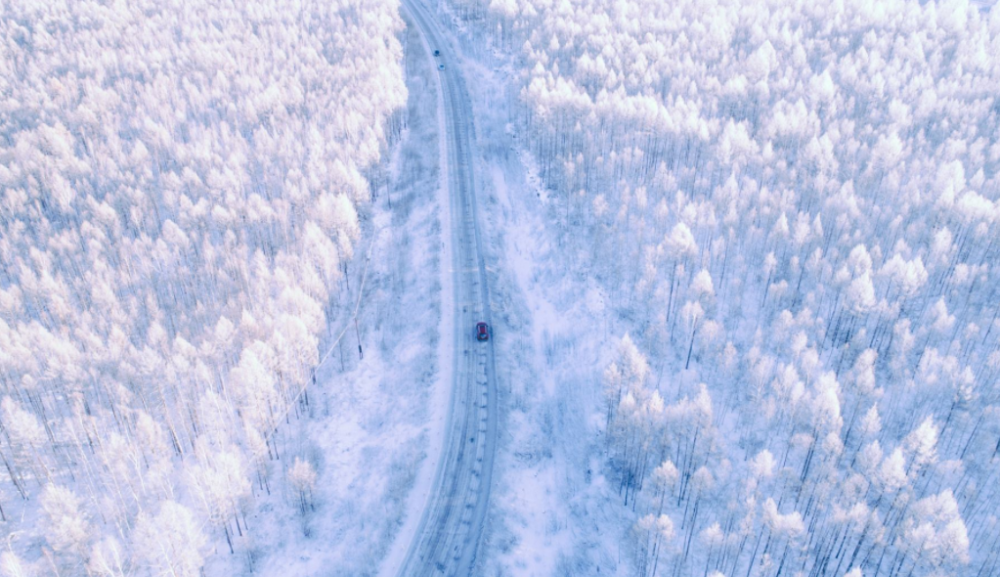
482, 331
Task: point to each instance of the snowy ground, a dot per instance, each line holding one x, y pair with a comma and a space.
373, 419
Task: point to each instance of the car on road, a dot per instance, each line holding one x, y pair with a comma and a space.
437, 53
440, 66
482, 331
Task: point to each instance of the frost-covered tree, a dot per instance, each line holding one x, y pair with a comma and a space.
109, 559
302, 476
170, 543
66, 527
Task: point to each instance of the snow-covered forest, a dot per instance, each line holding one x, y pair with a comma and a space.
794, 208
182, 188
791, 210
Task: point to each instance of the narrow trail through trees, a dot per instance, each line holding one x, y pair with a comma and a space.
449, 534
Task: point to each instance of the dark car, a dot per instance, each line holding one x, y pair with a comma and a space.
437, 53
482, 332
440, 66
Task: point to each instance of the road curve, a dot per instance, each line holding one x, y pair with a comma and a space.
448, 538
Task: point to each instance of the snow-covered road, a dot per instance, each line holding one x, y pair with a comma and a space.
448, 536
